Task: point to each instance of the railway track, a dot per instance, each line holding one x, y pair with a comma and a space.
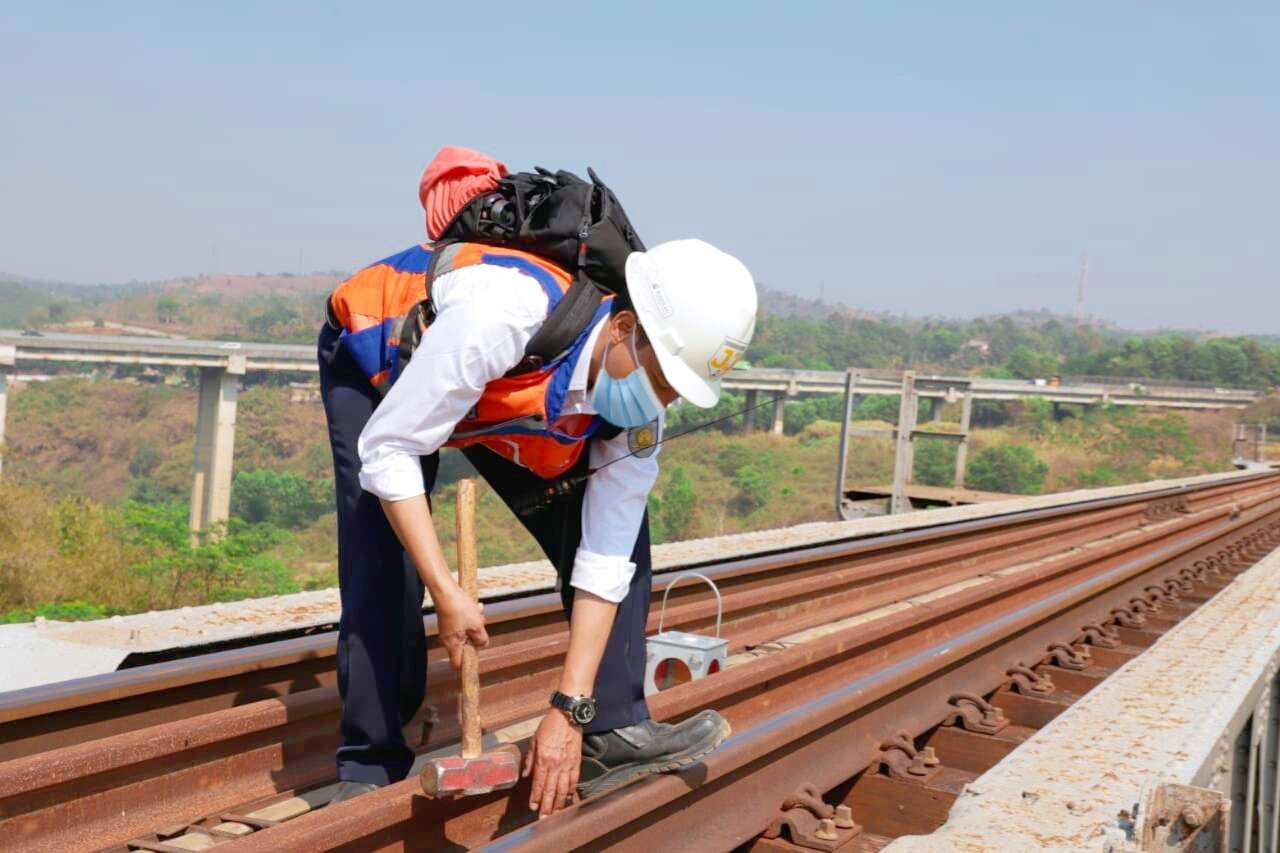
42, 718
847, 659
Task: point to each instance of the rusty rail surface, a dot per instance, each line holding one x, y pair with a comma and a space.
817, 713
47, 717
984, 594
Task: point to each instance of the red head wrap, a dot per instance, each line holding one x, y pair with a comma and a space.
453, 178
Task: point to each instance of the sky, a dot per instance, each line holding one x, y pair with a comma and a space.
922, 159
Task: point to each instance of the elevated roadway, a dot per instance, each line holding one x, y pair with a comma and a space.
252, 356
221, 363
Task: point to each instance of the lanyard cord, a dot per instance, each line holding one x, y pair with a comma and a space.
683, 433
544, 496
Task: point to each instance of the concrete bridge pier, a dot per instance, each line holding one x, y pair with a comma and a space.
749, 414
962, 450
779, 410
215, 443
933, 408
8, 357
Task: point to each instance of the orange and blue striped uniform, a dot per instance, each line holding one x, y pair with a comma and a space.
518, 417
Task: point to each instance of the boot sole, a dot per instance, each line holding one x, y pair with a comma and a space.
620, 776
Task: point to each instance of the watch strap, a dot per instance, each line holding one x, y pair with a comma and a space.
570, 704
561, 701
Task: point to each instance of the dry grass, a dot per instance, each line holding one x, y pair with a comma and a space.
79, 439
60, 550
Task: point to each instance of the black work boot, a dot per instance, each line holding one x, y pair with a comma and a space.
613, 758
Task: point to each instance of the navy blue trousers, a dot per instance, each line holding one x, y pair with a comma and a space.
381, 642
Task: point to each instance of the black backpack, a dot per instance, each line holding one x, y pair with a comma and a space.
577, 225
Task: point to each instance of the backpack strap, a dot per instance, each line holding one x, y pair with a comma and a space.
562, 327
576, 309
423, 314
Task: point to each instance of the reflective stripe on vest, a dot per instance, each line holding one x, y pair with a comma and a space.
370, 307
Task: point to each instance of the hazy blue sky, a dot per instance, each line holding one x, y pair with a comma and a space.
899, 156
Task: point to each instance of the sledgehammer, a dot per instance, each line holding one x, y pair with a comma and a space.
473, 772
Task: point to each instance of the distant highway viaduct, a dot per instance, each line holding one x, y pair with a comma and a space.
221, 363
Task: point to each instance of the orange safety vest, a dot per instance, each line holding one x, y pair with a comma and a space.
517, 417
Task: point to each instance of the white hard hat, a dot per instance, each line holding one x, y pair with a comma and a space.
697, 305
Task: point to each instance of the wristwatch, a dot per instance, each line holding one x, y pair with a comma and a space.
581, 709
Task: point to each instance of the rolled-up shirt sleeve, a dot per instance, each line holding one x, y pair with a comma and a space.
486, 316
612, 510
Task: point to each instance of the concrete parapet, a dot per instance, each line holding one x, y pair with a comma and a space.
1199, 708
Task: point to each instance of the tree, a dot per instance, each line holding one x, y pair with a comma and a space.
683, 416
803, 411
935, 462
58, 312
677, 506
1011, 468
1036, 415
281, 498
1161, 356
167, 309
1201, 366
878, 407
755, 486
1224, 361
225, 563
276, 313
1231, 365
1027, 363
940, 344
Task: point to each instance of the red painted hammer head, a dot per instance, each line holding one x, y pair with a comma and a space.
459, 776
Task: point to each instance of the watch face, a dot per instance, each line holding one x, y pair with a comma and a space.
584, 712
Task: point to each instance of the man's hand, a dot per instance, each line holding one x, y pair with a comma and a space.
459, 621
554, 758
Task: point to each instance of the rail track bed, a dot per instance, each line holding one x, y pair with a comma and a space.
877, 675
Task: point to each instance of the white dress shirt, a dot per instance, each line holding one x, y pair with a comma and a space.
485, 317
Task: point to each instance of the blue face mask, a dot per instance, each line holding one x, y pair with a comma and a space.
627, 402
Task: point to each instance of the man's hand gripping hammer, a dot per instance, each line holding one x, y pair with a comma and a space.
472, 772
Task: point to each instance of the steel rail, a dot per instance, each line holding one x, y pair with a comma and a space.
107, 790
735, 792
825, 740
42, 718
792, 724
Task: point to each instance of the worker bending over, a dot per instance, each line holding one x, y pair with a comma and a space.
687, 313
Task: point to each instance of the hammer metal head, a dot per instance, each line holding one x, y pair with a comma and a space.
456, 776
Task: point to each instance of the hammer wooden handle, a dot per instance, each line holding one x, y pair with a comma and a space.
469, 698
